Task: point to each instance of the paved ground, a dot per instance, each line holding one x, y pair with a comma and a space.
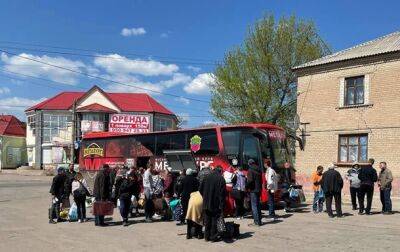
24, 201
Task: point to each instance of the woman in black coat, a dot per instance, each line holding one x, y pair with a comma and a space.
102, 190
189, 184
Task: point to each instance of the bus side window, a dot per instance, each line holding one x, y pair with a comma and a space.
250, 150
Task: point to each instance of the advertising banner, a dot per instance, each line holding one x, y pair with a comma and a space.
125, 123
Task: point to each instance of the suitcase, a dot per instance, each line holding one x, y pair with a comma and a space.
103, 208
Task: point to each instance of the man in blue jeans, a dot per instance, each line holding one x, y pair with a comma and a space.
385, 186
254, 184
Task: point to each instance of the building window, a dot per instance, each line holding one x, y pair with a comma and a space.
353, 148
162, 124
32, 123
53, 125
354, 91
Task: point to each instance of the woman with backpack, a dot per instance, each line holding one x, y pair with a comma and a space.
80, 191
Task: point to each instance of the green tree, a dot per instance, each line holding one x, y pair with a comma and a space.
255, 82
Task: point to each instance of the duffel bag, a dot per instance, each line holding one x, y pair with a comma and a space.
103, 208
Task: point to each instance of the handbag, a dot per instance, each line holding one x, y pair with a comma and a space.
103, 208
221, 227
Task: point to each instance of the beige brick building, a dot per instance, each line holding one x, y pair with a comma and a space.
349, 103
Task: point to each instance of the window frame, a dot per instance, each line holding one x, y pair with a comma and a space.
354, 86
359, 146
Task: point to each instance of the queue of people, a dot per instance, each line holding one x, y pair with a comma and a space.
203, 194
328, 185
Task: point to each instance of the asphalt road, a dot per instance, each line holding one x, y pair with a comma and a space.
24, 226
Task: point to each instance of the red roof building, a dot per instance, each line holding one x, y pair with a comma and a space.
56, 125
11, 126
126, 102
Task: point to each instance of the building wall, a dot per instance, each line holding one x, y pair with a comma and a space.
319, 105
13, 152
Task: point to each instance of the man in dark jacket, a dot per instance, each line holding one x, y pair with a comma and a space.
213, 191
127, 188
254, 185
101, 190
385, 186
70, 175
189, 184
332, 184
368, 177
58, 192
288, 178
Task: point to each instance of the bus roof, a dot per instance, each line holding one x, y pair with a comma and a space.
92, 135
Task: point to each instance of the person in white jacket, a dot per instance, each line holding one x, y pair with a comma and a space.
271, 178
80, 191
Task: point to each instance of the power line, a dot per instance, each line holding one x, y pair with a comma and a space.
101, 78
106, 52
53, 87
103, 56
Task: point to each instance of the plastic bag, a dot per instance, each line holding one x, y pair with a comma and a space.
134, 201
73, 213
293, 193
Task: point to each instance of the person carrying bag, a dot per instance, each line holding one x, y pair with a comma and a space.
79, 192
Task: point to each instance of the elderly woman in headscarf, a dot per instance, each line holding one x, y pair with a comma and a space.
194, 216
189, 184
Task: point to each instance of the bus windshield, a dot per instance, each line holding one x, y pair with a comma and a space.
274, 147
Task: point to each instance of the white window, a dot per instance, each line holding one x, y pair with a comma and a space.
354, 91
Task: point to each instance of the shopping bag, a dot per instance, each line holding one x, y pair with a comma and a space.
73, 213
293, 193
221, 227
134, 201
103, 208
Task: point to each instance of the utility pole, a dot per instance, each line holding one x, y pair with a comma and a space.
73, 132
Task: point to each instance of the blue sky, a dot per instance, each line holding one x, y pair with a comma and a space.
167, 46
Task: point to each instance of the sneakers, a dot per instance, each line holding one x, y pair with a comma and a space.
80, 221
52, 222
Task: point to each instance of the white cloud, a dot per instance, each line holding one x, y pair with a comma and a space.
164, 35
4, 90
182, 100
116, 64
133, 85
200, 84
194, 69
127, 32
36, 69
17, 105
177, 78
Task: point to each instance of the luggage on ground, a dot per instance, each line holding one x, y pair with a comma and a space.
103, 208
232, 230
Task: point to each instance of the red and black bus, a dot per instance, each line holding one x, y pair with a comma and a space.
226, 146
